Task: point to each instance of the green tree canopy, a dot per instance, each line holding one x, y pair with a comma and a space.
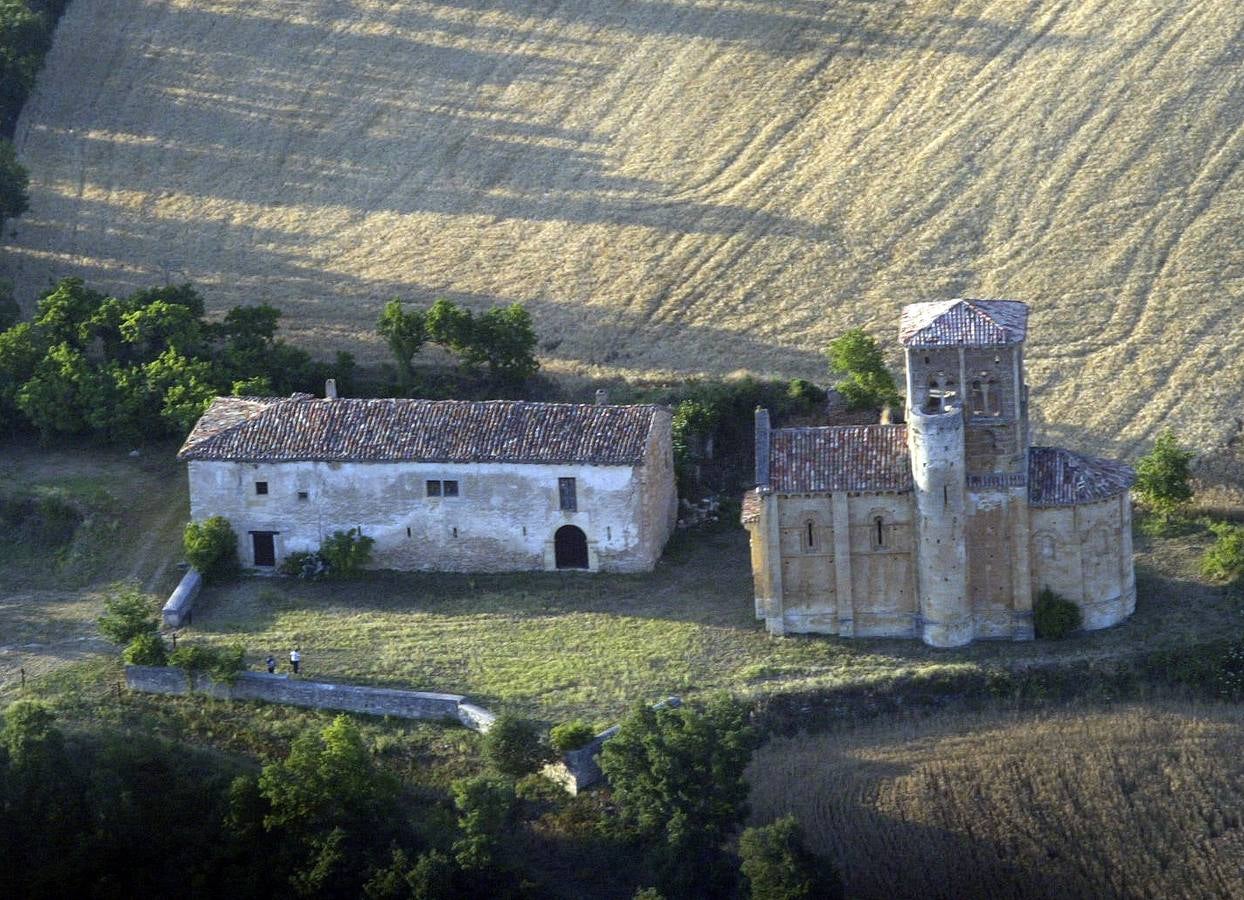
405, 333
677, 777
867, 382
778, 866
1163, 476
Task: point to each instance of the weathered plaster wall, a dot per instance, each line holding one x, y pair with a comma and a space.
1084, 552
504, 517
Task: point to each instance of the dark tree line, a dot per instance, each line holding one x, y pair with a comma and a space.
144, 365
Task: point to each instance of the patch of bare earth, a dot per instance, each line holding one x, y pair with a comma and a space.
675, 186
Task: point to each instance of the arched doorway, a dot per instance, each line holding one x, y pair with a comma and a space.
570, 548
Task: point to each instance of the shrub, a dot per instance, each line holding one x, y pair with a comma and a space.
128, 614
778, 866
513, 747
145, 650
346, 552
1054, 616
221, 665
571, 736
1224, 560
212, 547
806, 394
305, 565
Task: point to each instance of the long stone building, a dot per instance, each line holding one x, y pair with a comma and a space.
439, 485
946, 527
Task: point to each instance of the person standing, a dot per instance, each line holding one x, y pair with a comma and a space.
295, 659
271, 662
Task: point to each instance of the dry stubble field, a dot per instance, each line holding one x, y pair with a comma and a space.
675, 186
1124, 802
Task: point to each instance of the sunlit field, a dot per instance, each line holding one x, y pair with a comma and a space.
675, 186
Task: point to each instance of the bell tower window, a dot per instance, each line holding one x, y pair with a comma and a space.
984, 395
941, 393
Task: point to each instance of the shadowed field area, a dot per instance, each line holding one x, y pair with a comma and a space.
1133, 801
675, 186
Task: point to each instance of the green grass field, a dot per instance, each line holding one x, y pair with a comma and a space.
556, 646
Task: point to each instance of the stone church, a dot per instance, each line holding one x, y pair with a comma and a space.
448, 485
946, 527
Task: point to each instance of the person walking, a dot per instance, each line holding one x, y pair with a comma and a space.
295, 659
271, 661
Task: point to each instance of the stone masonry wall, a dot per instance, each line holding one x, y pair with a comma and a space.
503, 519
313, 694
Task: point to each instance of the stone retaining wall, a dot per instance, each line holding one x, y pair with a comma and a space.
315, 694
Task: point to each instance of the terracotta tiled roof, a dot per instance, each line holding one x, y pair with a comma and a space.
305, 428
840, 458
751, 508
1058, 477
963, 323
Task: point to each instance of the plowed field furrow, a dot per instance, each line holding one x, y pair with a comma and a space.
676, 187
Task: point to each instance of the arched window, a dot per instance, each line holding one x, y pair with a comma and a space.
809, 536
941, 393
984, 395
878, 532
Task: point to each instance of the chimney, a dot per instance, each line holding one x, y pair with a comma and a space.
602, 396
762, 447
330, 389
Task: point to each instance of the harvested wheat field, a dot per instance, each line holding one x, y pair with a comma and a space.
675, 186
1133, 801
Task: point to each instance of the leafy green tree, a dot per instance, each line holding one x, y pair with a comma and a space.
514, 748
405, 333
778, 866
1163, 475
451, 326
159, 327
25, 37
677, 777
64, 314
691, 425
258, 386
334, 808
185, 385
14, 182
59, 396
504, 339
867, 382
128, 614
21, 349
211, 546
485, 804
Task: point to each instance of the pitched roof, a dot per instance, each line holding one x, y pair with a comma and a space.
840, 458
302, 427
963, 323
1058, 477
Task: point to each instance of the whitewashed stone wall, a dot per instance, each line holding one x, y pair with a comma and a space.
503, 519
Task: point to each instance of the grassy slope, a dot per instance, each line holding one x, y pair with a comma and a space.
676, 185
1133, 801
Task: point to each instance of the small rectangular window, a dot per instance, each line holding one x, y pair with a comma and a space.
261, 487
566, 494
434, 488
303, 495
450, 488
